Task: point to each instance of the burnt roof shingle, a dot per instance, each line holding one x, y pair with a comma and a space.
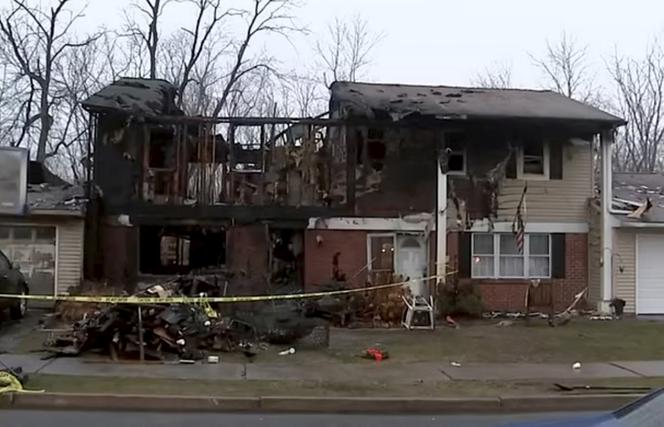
452, 102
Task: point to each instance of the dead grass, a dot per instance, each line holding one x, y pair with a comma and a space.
152, 386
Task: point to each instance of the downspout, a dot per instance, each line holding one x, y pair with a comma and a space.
441, 222
606, 142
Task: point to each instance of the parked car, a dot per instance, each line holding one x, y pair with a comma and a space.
12, 282
644, 412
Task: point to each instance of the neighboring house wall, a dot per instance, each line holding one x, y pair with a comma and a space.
624, 267
70, 254
68, 264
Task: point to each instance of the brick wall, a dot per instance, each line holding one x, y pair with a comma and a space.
509, 294
318, 257
247, 253
120, 258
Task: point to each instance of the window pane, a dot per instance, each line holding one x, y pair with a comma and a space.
539, 266
511, 266
45, 233
482, 244
4, 232
382, 253
508, 245
482, 266
539, 244
22, 233
455, 162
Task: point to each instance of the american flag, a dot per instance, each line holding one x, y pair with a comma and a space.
518, 226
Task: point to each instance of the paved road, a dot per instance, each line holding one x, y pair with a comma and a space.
145, 419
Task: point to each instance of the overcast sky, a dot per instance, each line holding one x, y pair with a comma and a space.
450, 41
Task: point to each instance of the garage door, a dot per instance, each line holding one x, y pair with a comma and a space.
33, 249
650, 274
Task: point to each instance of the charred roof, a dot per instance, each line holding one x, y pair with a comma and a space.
48, 192
464, 103
132, 96
632, 189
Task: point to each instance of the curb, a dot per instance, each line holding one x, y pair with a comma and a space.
91, 402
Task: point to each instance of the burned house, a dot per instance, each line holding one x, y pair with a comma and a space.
402, 180
181, 194
492, 184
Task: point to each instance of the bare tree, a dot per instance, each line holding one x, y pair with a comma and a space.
198, 40
640, 99
498, 76
266, 17
37, 39
566, 69
346, 52
148, 32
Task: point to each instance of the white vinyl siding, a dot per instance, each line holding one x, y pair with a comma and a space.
70, 255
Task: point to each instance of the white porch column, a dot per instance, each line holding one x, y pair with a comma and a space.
606, 143
441, 224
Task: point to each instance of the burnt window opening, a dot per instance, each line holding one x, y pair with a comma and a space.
376, 149
533, 159
248, 148
287, 257
159, 149
455, 152
181, 249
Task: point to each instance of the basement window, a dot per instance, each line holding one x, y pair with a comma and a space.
533, 160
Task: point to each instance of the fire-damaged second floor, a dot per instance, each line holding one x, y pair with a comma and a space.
149, 155
385, 140
491, 143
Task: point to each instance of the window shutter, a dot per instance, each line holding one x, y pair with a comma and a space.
558, 255
555, 161
464, 255
510, 168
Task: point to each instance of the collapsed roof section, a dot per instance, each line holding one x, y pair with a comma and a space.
640, 196
463, 103
137, 97
48, 193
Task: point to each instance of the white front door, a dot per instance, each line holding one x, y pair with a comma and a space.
412, 262
650, 274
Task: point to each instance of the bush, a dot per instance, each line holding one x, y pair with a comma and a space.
456, 299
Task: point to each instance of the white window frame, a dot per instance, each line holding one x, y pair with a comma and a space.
533, 176
370, 259
496, 257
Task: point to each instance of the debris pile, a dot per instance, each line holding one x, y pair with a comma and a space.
382, 308
179, 331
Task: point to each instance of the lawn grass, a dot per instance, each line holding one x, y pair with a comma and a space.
173, 387
582, 339
477, 341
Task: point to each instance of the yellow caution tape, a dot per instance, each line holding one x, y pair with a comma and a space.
205, 299
10, 384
